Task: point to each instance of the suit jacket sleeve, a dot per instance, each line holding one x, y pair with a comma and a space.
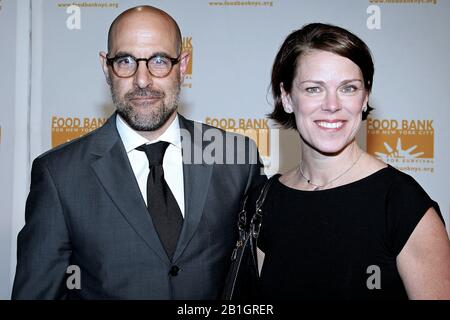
43, 245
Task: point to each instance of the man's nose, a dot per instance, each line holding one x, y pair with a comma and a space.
143, 78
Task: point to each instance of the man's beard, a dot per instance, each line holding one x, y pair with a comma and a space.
150, 121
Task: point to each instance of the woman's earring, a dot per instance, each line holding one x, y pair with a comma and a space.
287, 106
364, 108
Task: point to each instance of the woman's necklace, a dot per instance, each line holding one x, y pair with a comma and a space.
318, 187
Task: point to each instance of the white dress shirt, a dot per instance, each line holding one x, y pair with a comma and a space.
172, 162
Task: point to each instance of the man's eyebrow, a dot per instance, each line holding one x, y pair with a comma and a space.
159, 53
162, 54
123, 54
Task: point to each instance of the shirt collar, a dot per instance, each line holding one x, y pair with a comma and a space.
131, 139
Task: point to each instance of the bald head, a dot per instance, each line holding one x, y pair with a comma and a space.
144, 15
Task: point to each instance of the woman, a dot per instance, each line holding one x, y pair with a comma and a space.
343, 224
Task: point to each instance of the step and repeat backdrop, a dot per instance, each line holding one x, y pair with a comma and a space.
53, 90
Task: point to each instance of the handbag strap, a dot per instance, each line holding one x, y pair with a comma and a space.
255, 224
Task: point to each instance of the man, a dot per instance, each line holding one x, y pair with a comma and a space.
135, 227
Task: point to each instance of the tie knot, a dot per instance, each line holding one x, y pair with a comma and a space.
154, 152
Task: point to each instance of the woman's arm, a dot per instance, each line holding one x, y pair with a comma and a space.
424, 262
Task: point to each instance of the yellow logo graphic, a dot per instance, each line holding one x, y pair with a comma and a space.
256, 129
188, 47
402, 142
67, 129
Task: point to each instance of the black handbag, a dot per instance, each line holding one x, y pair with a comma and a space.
242, 279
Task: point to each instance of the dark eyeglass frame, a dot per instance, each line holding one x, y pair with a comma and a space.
110, 62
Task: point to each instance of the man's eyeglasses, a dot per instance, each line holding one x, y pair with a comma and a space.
125, 66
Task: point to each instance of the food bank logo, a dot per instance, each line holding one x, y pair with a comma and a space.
405, 144
188, 47
67, 129
256, 129
259, 131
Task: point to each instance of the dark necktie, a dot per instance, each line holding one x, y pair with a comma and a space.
161, 203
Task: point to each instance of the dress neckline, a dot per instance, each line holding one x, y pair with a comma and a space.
348, 185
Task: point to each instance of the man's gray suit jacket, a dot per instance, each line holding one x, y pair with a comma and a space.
85, 209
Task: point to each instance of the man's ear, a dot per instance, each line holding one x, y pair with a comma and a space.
105, 68
286, 100
184, 62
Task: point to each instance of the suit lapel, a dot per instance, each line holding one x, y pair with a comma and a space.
196, 183
114, 171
